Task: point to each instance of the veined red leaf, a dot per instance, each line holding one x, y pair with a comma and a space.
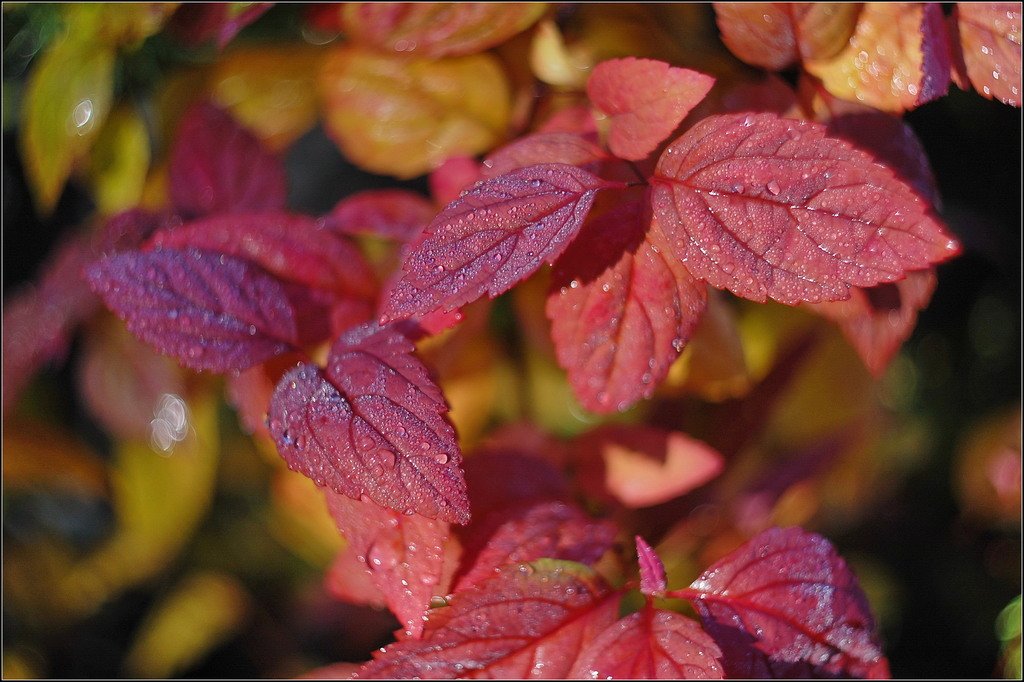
217, 166
878, 320
651, 644
208, 310
621, 309
494, 235
652, 571
436, 29
773, 208
646, 99
289, 246
568, 148
544, 530
897, 59
987, 49
372, 424
786, 605
391, 213
774, 35
529, 620
404, 555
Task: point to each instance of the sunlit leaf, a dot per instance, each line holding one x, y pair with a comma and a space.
437, 29
897, 59
119, 162
404, 116
989, 52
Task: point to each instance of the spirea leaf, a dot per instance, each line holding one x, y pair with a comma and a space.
774, 208
494, 235
209, 310
372, 423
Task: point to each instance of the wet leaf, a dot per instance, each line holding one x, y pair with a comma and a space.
437, 29
897, 59
775, 35
494, 235
774, 208
621, 309
988, 55
528, 617
217, 166
646, 99
208, 310
404, 116
651, 644
408, 558
786, 605
372, 424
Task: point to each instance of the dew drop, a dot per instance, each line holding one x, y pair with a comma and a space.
409, 512
773, 188
441, 458
387, 458
252, 330
438, 269
401, 431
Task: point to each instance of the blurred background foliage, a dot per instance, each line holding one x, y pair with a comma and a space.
146, 533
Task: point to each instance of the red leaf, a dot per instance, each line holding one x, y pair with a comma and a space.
786, 605
577, 118
529, 620
568, 148
646, 100
208, 310
650, 644
773, 208
391, 213
494, 235
372, 424
987, 48
289, 246
452, 178
774, 35
621, 309
405, 556
878, 320
551, 529
652, 571
217, 166
640, 466
505, 477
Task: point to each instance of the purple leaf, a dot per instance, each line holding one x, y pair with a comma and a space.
217, 166
209, 310
372, 424
786, 605
494, 235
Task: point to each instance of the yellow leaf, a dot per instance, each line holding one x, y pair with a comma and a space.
66, 103
202, 611
119, 162
713, 364
551, 60
882, 62
403, 117
270, 89
299, 519
160, 493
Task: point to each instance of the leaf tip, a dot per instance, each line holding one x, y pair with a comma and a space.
652, 571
